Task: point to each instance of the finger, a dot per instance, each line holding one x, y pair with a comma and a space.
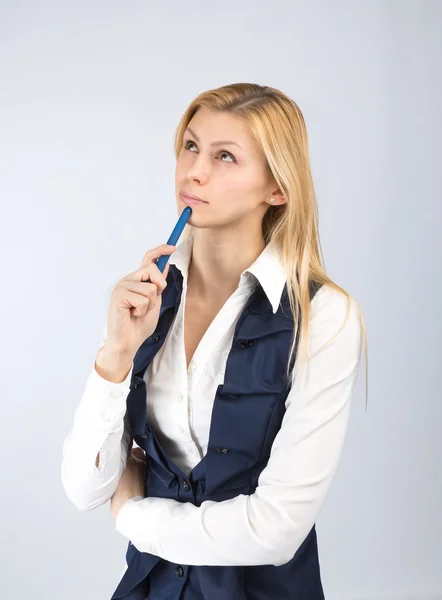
145, 288
148, 274
152, 255
152, 273
139, 453
138, 302
140, 296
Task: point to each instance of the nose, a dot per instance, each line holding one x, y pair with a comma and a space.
198, 170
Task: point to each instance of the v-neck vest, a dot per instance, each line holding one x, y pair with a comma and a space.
247, 413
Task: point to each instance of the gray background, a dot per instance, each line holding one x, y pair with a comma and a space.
91, 93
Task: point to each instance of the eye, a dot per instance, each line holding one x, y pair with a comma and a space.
186, 144
190, 142
228, 154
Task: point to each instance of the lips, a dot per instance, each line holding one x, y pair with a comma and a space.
192, 196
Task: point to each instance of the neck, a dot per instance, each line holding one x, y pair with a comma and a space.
217, 263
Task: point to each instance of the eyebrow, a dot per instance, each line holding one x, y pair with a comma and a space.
220, 143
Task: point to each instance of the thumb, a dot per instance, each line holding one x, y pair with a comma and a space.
139, 453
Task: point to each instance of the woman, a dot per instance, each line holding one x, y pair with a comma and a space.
232, 372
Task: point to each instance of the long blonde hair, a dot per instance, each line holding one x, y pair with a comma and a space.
277, 124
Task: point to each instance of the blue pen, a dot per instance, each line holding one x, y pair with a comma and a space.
174, 236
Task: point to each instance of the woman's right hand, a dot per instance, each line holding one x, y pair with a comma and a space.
135, 304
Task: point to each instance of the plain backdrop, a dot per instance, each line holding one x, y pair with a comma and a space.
90, 96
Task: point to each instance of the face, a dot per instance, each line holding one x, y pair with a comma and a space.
232, 177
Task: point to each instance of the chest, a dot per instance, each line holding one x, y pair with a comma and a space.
197, 319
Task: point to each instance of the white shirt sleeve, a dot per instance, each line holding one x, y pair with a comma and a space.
100, 426
268, 526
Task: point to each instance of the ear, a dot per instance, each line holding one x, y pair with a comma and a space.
278, 197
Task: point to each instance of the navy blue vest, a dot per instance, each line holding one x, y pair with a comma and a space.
247, 414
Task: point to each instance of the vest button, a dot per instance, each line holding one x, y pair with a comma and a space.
186, 485
156, 339
233, 395
222, 450
179, 571
246, 343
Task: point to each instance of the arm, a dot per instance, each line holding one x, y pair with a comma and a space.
96, 447
268, 526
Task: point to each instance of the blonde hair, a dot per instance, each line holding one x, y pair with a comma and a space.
277, 125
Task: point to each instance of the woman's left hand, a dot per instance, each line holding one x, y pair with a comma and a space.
132, 481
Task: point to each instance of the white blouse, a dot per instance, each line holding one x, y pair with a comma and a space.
268, 526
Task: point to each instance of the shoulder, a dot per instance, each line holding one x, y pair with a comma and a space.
333, 315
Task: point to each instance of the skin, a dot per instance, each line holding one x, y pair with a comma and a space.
237, 186
228, 236
131, 483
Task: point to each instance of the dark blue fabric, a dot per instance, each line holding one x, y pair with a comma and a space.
247, 414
